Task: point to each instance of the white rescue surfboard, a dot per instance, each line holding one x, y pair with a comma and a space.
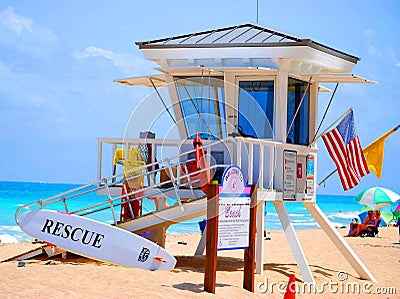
96, 240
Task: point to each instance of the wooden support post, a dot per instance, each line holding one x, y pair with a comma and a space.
160, 237
210, 267
250, 253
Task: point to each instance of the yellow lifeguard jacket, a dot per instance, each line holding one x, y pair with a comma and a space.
134, 160
119, 156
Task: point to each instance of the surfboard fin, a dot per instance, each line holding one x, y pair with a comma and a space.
160, 259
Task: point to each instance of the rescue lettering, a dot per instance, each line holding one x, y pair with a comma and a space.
76, 234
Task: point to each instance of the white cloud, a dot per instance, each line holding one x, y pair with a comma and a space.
15, 22
374, 51
398, 64
24, 34
94, 52
128, 64
369, 33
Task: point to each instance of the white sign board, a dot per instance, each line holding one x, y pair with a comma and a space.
234, 211
289, 174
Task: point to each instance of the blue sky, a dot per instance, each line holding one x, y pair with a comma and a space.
58, 60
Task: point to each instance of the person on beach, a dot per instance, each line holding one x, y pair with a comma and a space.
371, 228
357, 228
353, 225
398, 225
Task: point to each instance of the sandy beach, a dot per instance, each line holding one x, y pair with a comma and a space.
78, 277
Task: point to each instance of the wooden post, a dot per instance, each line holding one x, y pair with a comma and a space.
210, 267
160, 237
250, 253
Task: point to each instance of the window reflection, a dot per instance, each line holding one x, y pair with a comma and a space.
299, 132
256, 109
203, 107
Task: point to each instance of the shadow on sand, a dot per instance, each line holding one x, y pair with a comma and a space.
196, 287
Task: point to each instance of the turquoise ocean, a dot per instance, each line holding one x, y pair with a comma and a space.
339, 209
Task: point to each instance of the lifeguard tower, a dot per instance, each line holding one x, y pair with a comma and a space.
252, 94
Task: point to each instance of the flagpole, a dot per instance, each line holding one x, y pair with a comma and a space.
385, 135
332, 125
327, 177
326, 111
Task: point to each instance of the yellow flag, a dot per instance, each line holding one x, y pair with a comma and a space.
374, 153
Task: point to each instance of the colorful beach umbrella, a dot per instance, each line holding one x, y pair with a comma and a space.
398, 208
396, 212
377, 196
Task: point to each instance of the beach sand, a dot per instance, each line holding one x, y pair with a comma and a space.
78, 277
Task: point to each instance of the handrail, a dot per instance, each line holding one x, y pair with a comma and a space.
110, 181
116, 200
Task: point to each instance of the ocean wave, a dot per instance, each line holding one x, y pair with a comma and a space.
19, 205
298, 215
270, 214
306, 224
306, 220
14, 228
6, 238
344, 215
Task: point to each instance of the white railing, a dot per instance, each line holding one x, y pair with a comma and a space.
260, 159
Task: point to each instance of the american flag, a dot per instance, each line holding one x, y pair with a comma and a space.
345, 149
